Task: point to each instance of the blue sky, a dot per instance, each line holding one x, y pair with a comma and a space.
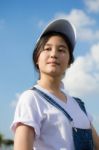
21, 22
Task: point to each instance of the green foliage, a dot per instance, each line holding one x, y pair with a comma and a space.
5, 142
1, 139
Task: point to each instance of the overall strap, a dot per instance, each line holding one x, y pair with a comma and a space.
52, 102
81, 104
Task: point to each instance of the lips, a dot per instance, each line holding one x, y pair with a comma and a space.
53, 62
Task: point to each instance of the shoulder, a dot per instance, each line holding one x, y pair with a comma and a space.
28, 98
83, 107
26, 95
78, 100
28, 111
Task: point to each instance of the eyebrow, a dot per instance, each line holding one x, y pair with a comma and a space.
61, 45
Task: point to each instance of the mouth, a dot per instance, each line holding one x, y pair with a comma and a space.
53, 63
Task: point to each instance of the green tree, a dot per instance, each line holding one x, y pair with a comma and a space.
5, 142
1, 139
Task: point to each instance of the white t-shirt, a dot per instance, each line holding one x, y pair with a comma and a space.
53, 129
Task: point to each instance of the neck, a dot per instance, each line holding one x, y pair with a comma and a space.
50, 83
53, 86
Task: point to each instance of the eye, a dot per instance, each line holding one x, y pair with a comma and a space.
47, 48
62, 50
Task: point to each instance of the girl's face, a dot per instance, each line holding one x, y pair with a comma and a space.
54, 58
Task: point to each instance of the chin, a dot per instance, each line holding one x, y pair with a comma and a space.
54, 73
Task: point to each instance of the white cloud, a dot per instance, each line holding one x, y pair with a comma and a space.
95, 54
78, 17
14, 102
92, 5
87, 34
96, 122
83, 23
82, 77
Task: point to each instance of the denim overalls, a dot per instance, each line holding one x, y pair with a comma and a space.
82, 137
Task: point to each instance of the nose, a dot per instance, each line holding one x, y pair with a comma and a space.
54, 53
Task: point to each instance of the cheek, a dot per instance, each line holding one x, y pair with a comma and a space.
41, 60
65, 58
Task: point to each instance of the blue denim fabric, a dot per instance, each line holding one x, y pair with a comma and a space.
82, 139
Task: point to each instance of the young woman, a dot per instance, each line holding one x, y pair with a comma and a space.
46, 117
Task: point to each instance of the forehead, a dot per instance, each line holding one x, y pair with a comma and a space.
56, 40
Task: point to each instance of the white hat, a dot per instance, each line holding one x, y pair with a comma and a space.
64, 27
